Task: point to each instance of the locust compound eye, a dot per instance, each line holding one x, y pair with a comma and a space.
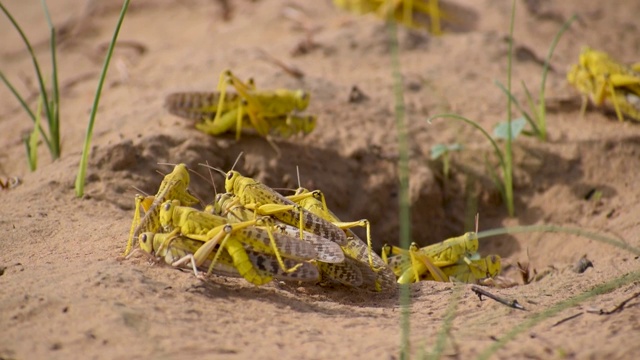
144, 238
229, 175
167, 206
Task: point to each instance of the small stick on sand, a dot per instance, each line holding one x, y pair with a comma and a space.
615, 309
567, 319
513, 303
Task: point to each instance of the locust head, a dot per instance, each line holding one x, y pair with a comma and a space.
493, 265
581, 79
146, 242
233, 177
302, 99
166, 214
179, 174
175, 186
470, 242
308, 124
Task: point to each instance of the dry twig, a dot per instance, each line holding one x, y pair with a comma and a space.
513, 303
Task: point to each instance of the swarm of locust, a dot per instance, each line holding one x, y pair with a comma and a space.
269, 113
252, 231
604, 80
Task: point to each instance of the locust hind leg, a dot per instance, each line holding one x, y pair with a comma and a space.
614, 99
220, 125
185, 259
346, 273
267, 264
242, 262
420, 264
139, 204
276, 252
251, 106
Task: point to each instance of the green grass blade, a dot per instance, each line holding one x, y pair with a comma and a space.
32, 140
496, 148
17, 95
560, 229
495, 178
534, 109
447, 323
82, 171
524, 113
43, 90
541, 111
54, 116
403, 174
25, 107
507, 170
563, 305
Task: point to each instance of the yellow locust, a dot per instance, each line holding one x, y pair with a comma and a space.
602, 79
179, 250
204, 107
432, 258
174, 186
368, 262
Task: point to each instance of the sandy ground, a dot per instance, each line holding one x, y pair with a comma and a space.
64, 292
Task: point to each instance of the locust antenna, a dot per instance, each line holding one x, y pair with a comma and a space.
205, 179
224, 174
237, 159
298, 174
139, 190
199, 175
477, 221
215, 191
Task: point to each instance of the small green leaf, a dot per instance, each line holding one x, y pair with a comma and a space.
441, 149
438, 150
517, 126
32, 142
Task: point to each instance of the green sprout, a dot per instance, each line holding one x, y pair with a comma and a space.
441, 150
82, 169
536, 116
50, 102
